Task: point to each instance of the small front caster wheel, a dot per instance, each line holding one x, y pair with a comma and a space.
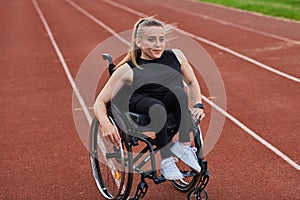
197, 194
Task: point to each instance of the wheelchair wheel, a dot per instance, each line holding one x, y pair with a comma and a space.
197, 194
186, 183
111, 166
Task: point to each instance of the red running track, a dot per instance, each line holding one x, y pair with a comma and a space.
42, 154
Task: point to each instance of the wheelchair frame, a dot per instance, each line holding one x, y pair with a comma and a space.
121, 162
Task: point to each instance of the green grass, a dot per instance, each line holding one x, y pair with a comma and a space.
279, 8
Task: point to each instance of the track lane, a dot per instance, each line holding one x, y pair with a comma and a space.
41, 156
232, 23
74, 41
242, 168
282, 27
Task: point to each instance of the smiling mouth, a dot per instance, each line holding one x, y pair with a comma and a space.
157, 51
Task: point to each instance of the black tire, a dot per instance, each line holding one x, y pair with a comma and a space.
111, 166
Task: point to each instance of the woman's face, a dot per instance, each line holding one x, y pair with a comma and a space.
152, 42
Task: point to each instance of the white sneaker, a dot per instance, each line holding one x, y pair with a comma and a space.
169, 169
187, 154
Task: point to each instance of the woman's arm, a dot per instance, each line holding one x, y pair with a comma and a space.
118, 79
192, 84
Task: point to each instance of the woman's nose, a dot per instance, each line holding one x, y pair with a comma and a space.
158, 43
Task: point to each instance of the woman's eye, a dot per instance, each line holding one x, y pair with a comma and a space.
162, 39
151, 39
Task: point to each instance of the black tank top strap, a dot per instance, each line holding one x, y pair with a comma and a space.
130, 63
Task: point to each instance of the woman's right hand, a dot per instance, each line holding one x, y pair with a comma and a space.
121, 76
108, 130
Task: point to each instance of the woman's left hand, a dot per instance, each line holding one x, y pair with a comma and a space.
197, 114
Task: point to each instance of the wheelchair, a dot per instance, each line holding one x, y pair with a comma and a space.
113, 167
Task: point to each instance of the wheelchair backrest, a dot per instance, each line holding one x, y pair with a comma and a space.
111, 65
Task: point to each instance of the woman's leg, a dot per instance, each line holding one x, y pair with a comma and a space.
143, 106
177, 101
182, 149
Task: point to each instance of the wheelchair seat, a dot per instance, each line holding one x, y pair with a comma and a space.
134, 123
144, 120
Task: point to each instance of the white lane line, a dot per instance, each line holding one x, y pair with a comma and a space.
241, 56
227, 23
234, 120
250, 12
75, 88
253, 134
80, 109
94, 19
218, 46
65, 67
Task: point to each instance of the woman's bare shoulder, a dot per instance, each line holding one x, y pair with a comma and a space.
123, 72
179, 54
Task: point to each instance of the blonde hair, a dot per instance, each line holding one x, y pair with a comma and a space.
134, 51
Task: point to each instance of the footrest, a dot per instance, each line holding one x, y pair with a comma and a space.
189, 173
141, 190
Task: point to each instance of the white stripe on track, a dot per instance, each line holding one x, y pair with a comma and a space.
73, 84
227, 23
253, 134
233, 119
251, 12
94, 19
218, 46
63, 62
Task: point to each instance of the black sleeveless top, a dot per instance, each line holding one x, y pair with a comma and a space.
156, 77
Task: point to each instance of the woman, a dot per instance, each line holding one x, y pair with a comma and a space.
148, 59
